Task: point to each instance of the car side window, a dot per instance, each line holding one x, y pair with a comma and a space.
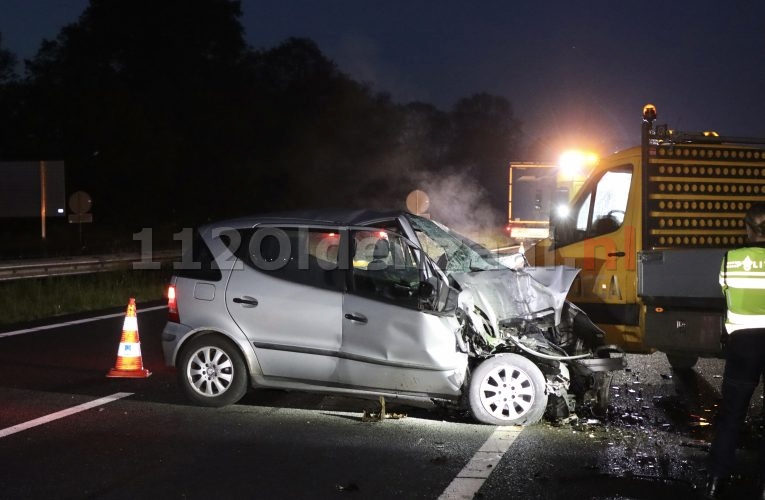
202, 262
385, 267
308, 256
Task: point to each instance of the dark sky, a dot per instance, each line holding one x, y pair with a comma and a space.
579, 72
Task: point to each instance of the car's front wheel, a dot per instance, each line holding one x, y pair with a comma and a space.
211, 371
507, 389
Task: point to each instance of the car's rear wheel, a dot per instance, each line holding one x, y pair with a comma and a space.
507, 389
211, 371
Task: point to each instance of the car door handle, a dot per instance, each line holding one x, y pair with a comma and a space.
356, 317
246, 301
617, 254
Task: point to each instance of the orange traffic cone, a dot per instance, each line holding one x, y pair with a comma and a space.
129, 362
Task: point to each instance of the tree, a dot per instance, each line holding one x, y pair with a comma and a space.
426, 135
10, 97
485, 136
7, 64
139, 97
162, 111
328, 136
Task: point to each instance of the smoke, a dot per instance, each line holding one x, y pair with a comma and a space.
457, 197
459, 201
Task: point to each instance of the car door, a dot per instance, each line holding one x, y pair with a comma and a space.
287, 299
389, 341
599, 238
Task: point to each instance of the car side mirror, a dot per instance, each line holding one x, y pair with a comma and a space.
438, 295
428, 288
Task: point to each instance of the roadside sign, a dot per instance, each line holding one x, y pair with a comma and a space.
80, 203
418, 202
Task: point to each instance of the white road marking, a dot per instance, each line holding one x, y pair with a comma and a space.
472, 476
74, 322
63, 413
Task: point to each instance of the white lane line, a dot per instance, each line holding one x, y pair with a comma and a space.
63, 413
74, 322
472, 476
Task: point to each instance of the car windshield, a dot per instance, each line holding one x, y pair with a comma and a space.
451, 251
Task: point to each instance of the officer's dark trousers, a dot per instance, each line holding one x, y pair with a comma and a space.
744, 365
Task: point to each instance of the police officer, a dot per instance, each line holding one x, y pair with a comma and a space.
742, 277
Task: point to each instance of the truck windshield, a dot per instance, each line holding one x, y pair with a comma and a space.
451, 251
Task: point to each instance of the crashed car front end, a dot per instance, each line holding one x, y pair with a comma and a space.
523, 313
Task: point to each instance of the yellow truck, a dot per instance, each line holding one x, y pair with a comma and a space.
535, 188
649, 228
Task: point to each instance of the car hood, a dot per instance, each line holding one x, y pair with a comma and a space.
490, 297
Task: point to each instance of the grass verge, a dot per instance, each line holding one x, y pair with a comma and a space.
32, 299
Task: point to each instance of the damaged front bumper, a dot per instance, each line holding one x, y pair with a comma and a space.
525, 312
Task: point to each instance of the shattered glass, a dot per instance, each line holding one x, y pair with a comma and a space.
490, 291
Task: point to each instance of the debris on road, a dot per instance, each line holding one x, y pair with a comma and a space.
347, 487
371, 416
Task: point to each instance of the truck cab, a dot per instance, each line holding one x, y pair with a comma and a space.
649, 229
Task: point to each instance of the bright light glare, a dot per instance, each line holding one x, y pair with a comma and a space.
562, 211
573, 162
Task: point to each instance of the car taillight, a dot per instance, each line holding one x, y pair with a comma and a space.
172, 305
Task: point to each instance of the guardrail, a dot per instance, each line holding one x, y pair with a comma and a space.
41, 268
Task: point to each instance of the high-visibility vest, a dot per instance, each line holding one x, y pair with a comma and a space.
742, 277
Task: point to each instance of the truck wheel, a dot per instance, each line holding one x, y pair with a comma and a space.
682, 362
211, 371
507, 389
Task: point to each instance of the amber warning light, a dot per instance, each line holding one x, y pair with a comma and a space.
649, 112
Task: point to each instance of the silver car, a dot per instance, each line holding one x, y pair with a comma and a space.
371, 304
